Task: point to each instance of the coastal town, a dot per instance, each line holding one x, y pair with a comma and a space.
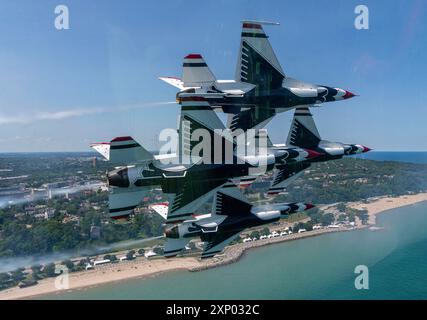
77, 200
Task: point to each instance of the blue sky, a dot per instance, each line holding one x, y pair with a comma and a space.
61, 90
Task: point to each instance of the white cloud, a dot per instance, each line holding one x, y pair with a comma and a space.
72, 113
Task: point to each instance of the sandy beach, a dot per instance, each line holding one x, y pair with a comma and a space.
138, 268
143, 268
379, 205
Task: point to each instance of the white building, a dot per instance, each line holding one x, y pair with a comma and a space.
333, 226
149, 254
100, 262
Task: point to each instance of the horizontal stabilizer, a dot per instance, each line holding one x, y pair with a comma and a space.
176, 82
103, 148
122, 201
125, 150
175, 246
161, 209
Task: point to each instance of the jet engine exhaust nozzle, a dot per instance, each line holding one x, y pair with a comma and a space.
119, 178
172, 232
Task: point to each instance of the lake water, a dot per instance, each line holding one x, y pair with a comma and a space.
314, 268
400, 156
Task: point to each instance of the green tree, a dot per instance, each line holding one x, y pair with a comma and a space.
5, 280
327, 219
265, 231
69, 264
49, 270
130, 255
255, 234
18, 275
82, 263
36, 271
341, 207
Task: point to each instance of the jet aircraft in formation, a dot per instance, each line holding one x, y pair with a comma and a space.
194, 175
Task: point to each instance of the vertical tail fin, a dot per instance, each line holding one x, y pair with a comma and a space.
303, 132
257, 62
196, 113
196, 72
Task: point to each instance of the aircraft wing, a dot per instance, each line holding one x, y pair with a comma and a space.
189, 195
103, 148
285, 175
122, 201
216, 242
176, 82
175, 246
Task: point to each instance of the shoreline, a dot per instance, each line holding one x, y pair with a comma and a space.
142, 268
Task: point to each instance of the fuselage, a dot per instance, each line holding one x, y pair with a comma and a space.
227, 96
208, 224
170, 177
335, 150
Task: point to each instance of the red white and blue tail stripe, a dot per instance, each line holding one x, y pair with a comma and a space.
196, 72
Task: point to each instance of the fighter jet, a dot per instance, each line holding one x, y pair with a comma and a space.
188, 184
304, 134
231, 214
260, 87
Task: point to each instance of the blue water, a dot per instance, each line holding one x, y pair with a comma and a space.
314, 268
413, 157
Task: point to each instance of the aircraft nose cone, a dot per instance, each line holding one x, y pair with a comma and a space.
348, 95
312, 154
309, 206
366, 149
118, 178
